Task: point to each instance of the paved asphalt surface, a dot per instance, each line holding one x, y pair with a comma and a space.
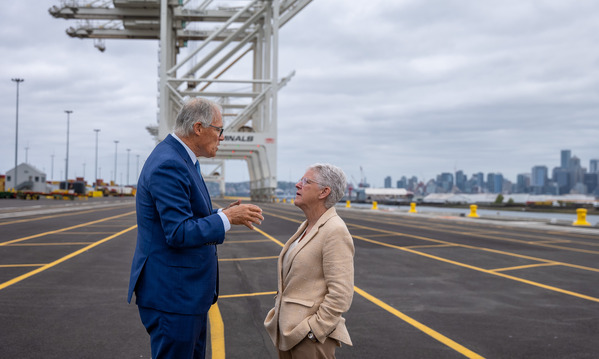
426, 286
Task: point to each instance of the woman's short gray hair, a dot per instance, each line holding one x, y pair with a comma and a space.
195, 110
333, 177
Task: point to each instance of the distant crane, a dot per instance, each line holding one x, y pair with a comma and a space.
350, 186
363, 182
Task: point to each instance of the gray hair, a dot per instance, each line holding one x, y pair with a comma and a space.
333, 177
195, 110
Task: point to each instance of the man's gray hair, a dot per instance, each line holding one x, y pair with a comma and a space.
333, 177
195, 110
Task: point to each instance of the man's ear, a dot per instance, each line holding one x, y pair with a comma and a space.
197, 128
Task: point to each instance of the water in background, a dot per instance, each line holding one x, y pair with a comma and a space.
592, 219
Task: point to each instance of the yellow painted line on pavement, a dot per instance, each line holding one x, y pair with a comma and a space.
268, 236
246, 259
503, 238
65, 229
70, 213
75, 233
47, 244
425, 329
381, 235
63, 259
536, 284
249, 241
525, 266
472, 247
237, 231
245, 295
283, 217
551, 241
217, 337
430, 245
238, 197
436, 335
217, 332
20, 265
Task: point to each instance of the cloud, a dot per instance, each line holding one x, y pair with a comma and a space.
397, 87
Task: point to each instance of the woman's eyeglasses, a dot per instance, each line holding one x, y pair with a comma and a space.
304, 181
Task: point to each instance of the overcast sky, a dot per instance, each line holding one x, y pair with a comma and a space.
395, 87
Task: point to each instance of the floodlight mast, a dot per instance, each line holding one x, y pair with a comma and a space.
249, 104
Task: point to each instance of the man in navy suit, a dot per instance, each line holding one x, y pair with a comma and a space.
174, 273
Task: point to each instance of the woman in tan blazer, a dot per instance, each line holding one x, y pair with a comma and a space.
315, 272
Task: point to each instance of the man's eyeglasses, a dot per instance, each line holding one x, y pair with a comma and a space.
218, 128
304, 181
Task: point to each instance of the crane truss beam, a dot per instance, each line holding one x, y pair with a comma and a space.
199, 46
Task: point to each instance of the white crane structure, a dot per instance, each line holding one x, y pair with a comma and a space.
224, 50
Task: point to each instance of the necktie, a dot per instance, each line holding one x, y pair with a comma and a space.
203, 185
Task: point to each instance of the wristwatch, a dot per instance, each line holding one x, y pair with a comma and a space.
311, 336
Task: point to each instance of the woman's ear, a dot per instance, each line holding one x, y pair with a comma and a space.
324, 193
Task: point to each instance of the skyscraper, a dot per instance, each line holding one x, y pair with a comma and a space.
561, 177
523, 183
491, 182
566, 155
495, 182
591, 181
594, 166
538, 176
498, 183
403, 182
479, 180
538, 179
445, 181
460, 180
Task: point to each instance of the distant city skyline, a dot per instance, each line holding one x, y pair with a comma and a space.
569, 176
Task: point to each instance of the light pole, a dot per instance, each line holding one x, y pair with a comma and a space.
116, 142
52, 173
66, 169
137, 173
128, 152
18, 81
96, 166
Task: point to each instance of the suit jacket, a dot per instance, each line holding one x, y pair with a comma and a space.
317, 285
175, 264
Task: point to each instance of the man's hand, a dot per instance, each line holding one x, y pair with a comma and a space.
236, 203
245, 214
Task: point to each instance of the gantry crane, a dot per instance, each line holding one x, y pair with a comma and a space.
209, 49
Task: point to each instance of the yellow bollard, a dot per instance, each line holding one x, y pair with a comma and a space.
413, 208
291, 201
473, 213
284, 200
581, 218
375, 205
347, 204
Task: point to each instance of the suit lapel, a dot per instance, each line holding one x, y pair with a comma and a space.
192, 169
203, 187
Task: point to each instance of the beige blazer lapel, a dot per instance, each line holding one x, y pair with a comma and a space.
331, 212
283, 271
